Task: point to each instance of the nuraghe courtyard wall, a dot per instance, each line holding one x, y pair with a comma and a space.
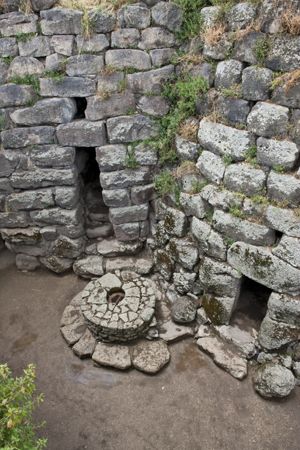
66, 98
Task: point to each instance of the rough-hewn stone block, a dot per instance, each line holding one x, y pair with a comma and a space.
82, 133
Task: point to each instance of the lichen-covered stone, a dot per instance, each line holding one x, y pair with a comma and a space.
228, 73
284, 53
82, 133
184, 251
283, 187
151, 81
38, 46
67, 87
88, 267
156, 38
61, 21
193, 205
283, 308
289, 250
284, 220
244, 178
16, 95
262, 266
81, 65
116, 356
128, 214
134, 16
211, 166
268, 120
125, 58
23, 137
256, 83
8, 46
117, 104
277, 153
183, 310
241, 15
210, 242
150, 356
93, 44
130, 129
273, 380
168, 15
125, 38
22, 66
219, 279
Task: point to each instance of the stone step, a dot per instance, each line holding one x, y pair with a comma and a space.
223, 356
113, 248
243, 341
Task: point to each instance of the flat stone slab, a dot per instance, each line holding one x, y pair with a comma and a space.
172, 332
116, 356
241, 339
85, 347
223, 357
117, 310
150, 356
73, 332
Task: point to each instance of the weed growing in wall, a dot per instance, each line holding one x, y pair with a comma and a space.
166, 184
31, 80
192, 21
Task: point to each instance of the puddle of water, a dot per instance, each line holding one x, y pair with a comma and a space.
23, 342
190, 359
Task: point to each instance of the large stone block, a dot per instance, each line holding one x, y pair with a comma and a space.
61, 21
22, 66
125, 178
167, 15
273, 334
129, 214
241, 16
210, 242
243, 230
46, 112
16, 95
192, 205
162, 56
211, 166
103, 21
81, 65
142, 194
184, 251
8, 46
287, 95
256, 83
245, 48
155, 38
14, 220
151, 81
155, 105
219, 278
39, 5
67, 87
277, 153
244, 178
284, 308
233, 110
82, 133
261, 265
288, 249
111, 157
174, 221
116, 104
126, 232
116, 198
6, 168
92, 44
283, 187
52, 156
23, 137
56, 216
224, 140
30, 200
18, 23
284, 220
42, 178
284, 53
228, 73
130, 129
268, 120
125, 38
37, 46
134, 16
66, 197
128, 59
63, 44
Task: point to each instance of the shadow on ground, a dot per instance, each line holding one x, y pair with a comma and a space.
191, 405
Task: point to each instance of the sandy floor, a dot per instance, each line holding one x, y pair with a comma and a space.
190, 405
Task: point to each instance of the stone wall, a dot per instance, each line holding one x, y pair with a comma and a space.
63, 91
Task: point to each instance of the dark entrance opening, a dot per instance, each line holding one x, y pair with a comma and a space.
97, 221
251, 306
81, 103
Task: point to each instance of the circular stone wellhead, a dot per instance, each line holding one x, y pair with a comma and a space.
116, 310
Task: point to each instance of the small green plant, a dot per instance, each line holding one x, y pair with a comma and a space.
227, 160
234, 91
197, 186
192, 21
236, 212
260, 200
2, 122
261, 50
54, 75
130, 160
165, 183
279, 168
7, 59
122, 85
250, 155
31, 80
24, 37
17, 404
229, 241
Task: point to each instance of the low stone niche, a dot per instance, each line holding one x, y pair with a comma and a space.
97, 223
251, 306
116, 310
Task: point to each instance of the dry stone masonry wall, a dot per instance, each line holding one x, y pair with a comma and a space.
77, 170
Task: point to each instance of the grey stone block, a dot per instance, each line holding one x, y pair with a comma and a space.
18, 23
162, 56
192, 205
127, 231
134, 16
125, 178
284, 53
219, 278
91, 266
224, 140
242, 230
38, 46
56, 216
8, 46
29, 200
287, 96
16, 95
38, 178
82, 133
244, 178
93, 44
61, 265
65, 247
145, 155
273, 335
130, 129
103, 21
116, 198
284, 220
25, 65
220, 50
210, 15
52, 156
81, 65
66, 197
142, 194
245, 48
151, 82
128, 214
125, 38
14, 220
210, 242
184, 251
268, 120
256, 83
288, 249
272, 153
155, 38
122, 59
23, 137
110, 82
211, 166
61, 21
234, 110
186, 150
283, 308
155, 105
39, 5
116, 104
63, 44
6, 168
284, 188
261, 265
3, 72
241, 16
228, 73
55, 63
111, 157
46, 112
167, 15
67, 87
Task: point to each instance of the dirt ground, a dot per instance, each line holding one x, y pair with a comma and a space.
191, 405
